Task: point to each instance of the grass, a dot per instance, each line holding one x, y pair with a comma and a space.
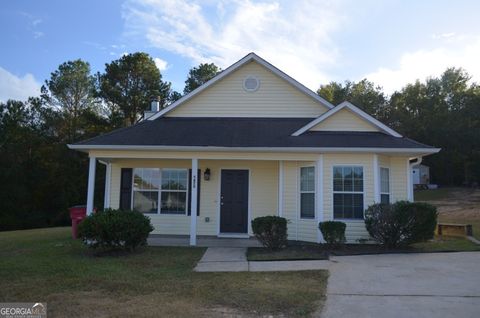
47, 265
318, 252
433, 195
447, 244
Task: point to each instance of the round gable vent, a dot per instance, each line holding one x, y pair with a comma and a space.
251, 84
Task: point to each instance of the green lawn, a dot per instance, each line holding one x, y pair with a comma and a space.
47, 265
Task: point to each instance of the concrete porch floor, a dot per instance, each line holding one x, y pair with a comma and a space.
202, 241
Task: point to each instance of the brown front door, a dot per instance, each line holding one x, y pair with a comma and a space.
234, 201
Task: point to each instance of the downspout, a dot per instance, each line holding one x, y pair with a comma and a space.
418, 160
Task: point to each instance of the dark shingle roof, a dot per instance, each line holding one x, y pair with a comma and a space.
242, 132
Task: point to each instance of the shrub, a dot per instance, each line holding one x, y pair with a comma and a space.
333, 232
401, 223
271, 231
115, 229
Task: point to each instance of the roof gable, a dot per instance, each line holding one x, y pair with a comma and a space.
346, 117
344, 120
279, 95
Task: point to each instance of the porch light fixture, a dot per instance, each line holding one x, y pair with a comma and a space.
206, 174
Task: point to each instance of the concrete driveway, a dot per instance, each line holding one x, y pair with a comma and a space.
404, 285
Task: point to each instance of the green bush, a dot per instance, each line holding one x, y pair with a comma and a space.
402, 223
333, 232
271, 231
115, 229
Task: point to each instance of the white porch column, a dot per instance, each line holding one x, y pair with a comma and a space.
108, 175
319, 196
376, 180
91, 184
194, 199
280, 188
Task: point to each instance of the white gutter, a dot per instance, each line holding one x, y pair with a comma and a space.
257, 149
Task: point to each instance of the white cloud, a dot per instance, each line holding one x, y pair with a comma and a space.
463, 52
162, 65
19, 88
295, 36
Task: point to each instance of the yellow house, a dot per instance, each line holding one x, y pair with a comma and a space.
252, 142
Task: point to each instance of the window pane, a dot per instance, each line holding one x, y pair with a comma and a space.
357, 206
174, 179
307, 205
348, 172
307, 179
358, 172
348, 206
145, 201
384, 180
338, 206
385, 198
348, 184
145, 178
173, 202
337, 184
358, 179
337, 172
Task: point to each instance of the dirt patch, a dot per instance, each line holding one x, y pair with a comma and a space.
460, 205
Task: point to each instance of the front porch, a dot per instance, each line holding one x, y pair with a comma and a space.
270, 184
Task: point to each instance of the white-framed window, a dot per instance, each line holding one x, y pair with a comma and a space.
384, 185
174, 191
146, 182
307, 192
163, 191
348, 192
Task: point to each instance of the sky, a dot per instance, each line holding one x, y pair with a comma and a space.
390, 42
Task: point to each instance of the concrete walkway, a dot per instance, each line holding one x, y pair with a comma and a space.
223, 259
234, 259
404, 285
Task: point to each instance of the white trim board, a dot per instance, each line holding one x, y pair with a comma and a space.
416, 151
355, 110
248, 58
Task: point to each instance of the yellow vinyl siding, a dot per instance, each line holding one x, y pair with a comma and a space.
227, 98
344, 120
263, 192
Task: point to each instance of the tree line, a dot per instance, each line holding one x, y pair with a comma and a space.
41, 177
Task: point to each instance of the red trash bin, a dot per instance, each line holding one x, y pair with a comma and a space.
77, 214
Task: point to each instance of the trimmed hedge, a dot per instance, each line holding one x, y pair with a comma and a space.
115, 229
401, 223
271, 231
333, 232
